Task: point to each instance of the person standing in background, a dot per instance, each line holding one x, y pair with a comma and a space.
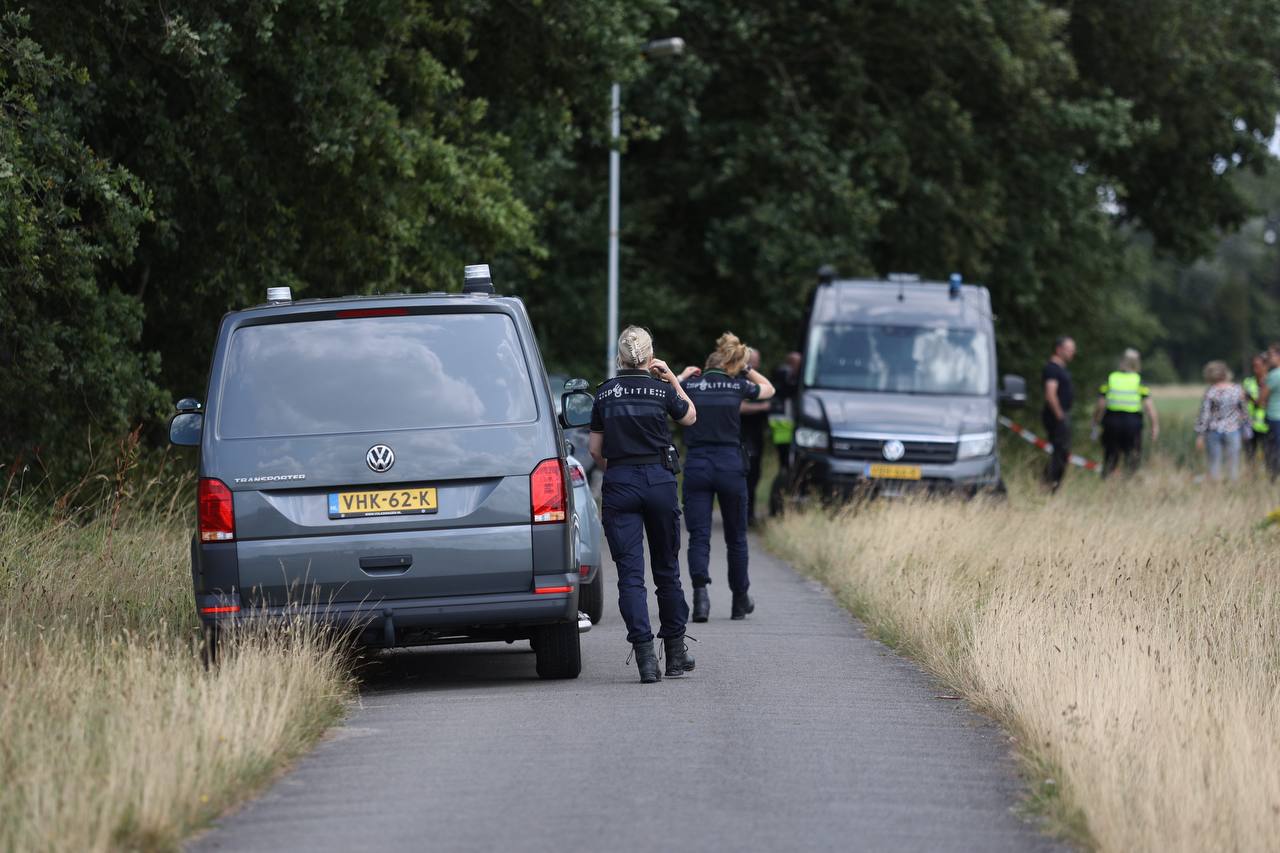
782, 415
782, 425
755, 417
1059, 395
1223, 422
1269, 399
1121, 402
1253, 386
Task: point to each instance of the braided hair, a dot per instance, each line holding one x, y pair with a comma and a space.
635, 347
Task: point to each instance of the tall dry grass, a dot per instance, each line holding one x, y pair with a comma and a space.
1127, 633
113, 735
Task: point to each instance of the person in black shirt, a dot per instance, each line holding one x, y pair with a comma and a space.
631, 442
755, 419
717, 468
1058, 397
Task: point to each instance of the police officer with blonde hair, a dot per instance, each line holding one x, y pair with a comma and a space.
717, 469
631, 442
1121, 401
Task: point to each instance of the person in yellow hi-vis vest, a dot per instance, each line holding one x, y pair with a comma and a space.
1253, 386
1121, 402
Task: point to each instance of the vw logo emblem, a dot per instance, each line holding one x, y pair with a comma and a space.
380, 458
893, 450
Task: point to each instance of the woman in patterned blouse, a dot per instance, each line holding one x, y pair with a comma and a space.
1223, 424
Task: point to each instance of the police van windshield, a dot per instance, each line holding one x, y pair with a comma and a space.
899, 359
374, 373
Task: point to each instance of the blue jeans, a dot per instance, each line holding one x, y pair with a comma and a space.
1218, 444
638, 500
709, 473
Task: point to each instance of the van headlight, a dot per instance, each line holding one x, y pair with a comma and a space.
973, 446
811, 438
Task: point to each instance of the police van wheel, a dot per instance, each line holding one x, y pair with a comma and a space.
591, 599
558, 653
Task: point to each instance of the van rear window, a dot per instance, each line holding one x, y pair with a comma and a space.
419, 371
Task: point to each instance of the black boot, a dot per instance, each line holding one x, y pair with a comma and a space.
742, 605
679, 661
701, 604
647, 661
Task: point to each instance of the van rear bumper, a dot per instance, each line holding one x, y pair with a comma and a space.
416, 621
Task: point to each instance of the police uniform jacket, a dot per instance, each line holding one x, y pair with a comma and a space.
631, 411
718, 396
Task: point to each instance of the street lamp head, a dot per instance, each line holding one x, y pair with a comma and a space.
663, 48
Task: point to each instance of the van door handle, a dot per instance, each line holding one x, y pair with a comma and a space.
392, 564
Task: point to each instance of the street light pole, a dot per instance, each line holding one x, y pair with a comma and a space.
655, 49
615, 178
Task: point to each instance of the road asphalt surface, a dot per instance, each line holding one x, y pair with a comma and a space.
795, 732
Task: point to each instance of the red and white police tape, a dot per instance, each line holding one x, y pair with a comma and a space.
1031, 438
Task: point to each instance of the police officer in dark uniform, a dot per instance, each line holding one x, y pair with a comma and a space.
631, 442
717, 468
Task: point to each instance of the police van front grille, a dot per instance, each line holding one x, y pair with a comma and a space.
917, 452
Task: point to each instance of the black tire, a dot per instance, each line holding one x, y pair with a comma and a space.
591, 598
558, 653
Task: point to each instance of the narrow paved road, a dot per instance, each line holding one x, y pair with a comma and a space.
794, 733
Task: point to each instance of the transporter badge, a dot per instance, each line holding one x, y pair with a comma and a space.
894, 450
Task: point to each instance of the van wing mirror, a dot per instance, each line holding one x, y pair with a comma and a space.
186, 428
1013, 390
575, 408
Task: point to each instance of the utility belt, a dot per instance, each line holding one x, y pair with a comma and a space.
669, 459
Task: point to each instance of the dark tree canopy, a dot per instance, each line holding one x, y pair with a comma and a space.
163, 163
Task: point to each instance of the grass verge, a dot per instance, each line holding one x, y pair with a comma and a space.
1124, 632
113, 735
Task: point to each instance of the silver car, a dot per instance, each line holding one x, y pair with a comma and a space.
590, 543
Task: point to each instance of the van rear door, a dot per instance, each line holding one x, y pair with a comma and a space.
378, 453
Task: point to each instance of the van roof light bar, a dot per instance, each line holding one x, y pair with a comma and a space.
279, 294
953, 287
476, 279
904, 277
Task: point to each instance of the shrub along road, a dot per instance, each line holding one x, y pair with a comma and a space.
795, 731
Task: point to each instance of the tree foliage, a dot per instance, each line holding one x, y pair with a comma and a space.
69, 221
163, 163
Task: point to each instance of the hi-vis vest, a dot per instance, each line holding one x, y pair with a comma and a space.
1258, 414
1124, 392
782, 425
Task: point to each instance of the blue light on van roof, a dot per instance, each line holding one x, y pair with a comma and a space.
954, 287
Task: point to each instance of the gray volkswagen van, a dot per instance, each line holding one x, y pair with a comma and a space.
898, 391
390, 464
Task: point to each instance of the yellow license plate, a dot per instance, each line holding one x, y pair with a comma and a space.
894, 472
411, 501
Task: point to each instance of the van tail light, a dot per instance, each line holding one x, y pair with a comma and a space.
547, 498
217, 520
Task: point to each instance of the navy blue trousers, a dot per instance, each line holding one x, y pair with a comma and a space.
710, 473
639, 500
